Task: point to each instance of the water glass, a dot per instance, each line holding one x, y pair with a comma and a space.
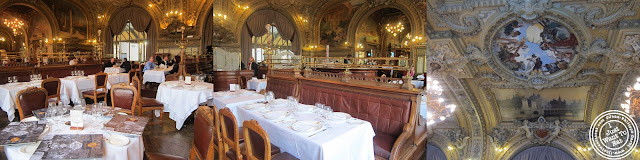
39, 76
9, 79
15, 79
320, 106
181, 78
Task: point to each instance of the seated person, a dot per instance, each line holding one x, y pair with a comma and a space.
149, 65
73, 61
176, 67
126, 65
111, 63
166, 61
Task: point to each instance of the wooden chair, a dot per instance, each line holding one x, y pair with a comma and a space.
30, 99
172, 77
101, 88
206, 139
125, 97
132, 73
232, 138
52, 85
230, 135
242, 81
257, 143
147, 104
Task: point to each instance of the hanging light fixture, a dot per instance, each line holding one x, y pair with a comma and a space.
437, 107
15, 25
394, 29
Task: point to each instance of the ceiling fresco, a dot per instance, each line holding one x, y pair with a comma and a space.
541, 47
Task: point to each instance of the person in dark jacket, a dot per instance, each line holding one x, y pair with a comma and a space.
126, 65
111, 63
253, 66
176, 65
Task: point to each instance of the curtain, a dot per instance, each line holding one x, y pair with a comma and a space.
140, 20
434, 153
255, 26
542, 153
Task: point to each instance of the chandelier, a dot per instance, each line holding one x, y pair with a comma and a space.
394, 29
14, 24
632, 104
437, 108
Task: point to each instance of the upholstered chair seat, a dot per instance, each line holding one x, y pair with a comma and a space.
30, 99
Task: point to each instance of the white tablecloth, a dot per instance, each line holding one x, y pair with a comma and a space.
113, 70
418, 83
132, 151
72, 87
232, 100
180, 100
257, 84
8, 96
155, 75
340, 140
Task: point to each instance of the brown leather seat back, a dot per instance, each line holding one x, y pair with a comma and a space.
31, 99
387, 115
229, 130
172, 77
124, 97
257, 143
101, 80
282, 87
132, 73
203, 130
52, 85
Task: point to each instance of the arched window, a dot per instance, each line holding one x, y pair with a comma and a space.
281, 48
130, 44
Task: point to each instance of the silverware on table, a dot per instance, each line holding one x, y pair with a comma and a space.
318, 132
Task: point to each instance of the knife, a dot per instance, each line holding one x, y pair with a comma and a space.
317, 132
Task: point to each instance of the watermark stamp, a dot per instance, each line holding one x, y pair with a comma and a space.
614, 134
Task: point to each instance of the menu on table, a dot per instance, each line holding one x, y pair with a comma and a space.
127, 124
21, 132
70, 146
40, 113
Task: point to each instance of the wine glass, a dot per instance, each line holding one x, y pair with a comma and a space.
15, 79
9, 79
181, 78
320, 106
39, 76
82, 72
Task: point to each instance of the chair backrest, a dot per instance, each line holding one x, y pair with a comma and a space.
52, 85
31, 99
101, 80
132, 73
125, 97
172, 77
136, 83
243, 81
256, 141
205, 135
229, 128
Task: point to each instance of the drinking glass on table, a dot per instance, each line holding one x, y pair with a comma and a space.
39, 76
181, 78
15, 79
320, 106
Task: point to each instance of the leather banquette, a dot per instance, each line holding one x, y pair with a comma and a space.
391, 111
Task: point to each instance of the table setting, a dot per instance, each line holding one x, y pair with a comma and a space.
181, 98
311, 131
113, 70
257, 84
156, 75
80, 132
8, 92
235, 98
71, 87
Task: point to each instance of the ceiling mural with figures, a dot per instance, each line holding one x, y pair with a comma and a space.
541, 47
